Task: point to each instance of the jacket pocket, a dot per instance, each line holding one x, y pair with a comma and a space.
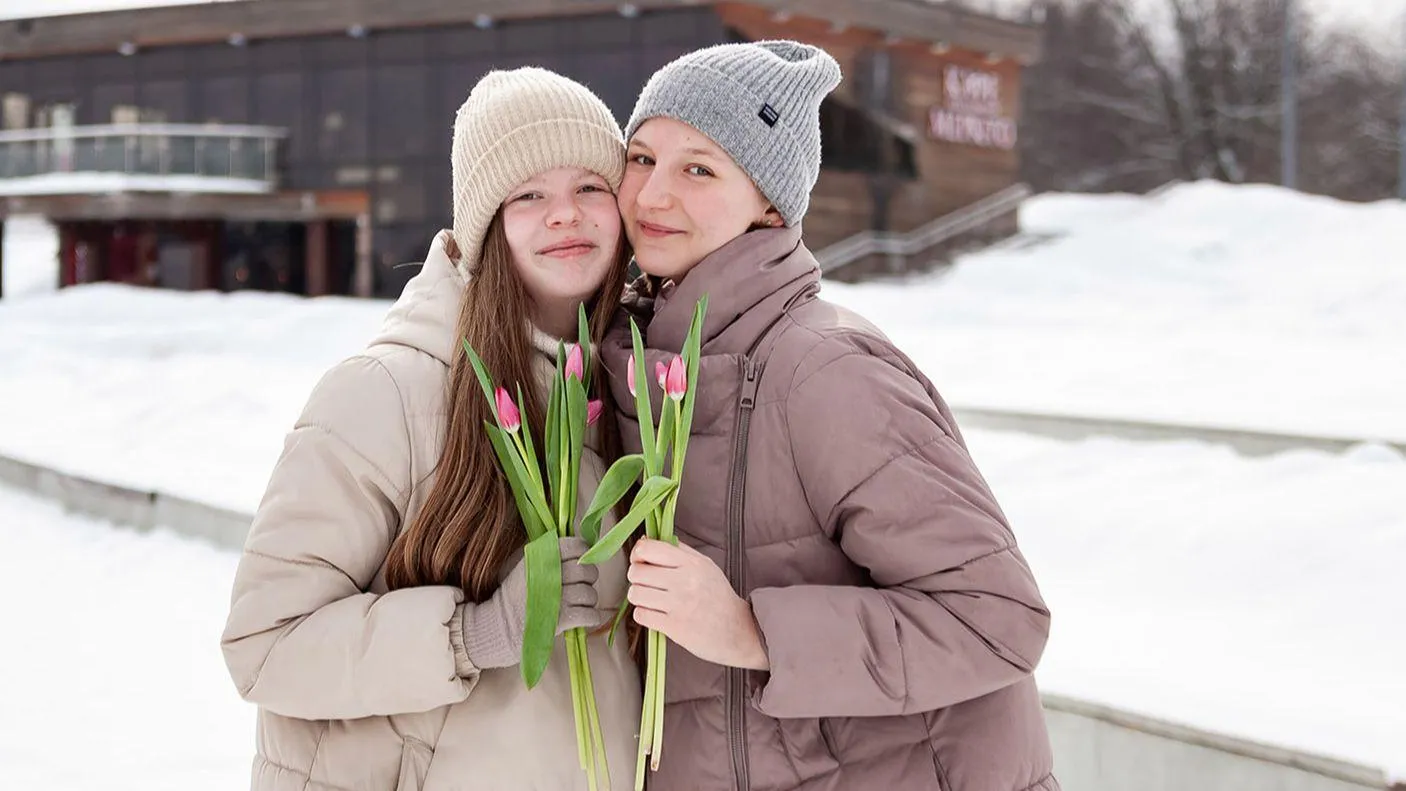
415, 757
808, 750
939, 772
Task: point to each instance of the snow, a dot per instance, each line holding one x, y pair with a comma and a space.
184, 393
31, 257
80, 183
113, 672
1254, 597
1245, 307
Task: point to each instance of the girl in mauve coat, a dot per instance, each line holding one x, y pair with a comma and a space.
848, 604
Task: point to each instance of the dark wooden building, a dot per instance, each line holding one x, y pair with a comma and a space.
303, 145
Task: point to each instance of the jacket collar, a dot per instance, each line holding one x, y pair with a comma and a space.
762, 266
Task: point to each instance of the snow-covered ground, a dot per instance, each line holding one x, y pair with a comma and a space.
1246, 307
188, 394
1255, 597
112, 675
31, 255
1258, 597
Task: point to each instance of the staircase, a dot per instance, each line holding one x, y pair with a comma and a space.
870, 252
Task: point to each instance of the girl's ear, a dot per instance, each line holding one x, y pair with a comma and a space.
771, 219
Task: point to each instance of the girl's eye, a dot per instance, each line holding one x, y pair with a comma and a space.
593, 188
526, 196
642, 159
698, 170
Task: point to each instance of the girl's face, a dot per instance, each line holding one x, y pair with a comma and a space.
563, 228
683, 197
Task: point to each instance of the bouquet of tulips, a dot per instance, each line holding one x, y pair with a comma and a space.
545, 491
659, 469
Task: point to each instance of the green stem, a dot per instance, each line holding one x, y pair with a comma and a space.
576, 701
647, 715
526, 459
660, 655
592, 712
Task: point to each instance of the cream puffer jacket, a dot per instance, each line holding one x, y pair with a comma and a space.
361, 689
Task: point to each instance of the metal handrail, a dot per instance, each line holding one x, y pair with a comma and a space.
143, 130
242, 152
926, 236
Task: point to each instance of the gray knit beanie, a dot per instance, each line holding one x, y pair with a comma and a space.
760, 102
514, 125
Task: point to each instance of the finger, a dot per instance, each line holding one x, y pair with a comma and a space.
573, 572
685, 550
658, 553
579, 596
649, 598
573, 547
650, 619
650, 576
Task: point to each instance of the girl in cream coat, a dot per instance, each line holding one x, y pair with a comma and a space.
377, 611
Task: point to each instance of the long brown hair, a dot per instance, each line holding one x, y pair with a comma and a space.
469, 525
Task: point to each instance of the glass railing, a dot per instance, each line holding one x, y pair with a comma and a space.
246, 153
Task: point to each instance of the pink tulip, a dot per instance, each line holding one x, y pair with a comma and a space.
661, 372
575, 366
677, 381
593, 410
630, 375
507, 411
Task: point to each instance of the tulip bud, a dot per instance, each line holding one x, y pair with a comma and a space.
507, 411
630, 375
593, 410
661, 372
677, 381
575, 365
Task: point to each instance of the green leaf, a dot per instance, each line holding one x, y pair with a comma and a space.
666, 521
529, 452
644, 412
692, 351
615, 623
550, 446
613, 485
577, 425
561, 496
650, 495
507, 459
583, 337
543, 559
533, 490
666, 429
484, 380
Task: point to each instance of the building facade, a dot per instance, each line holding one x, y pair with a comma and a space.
303, 145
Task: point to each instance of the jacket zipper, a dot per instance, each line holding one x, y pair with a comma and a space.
736, 568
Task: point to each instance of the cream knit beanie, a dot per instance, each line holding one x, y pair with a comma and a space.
514, 125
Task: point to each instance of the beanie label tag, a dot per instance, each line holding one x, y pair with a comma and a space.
769, 115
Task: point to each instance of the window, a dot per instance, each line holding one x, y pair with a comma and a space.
855, 141
16, 111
